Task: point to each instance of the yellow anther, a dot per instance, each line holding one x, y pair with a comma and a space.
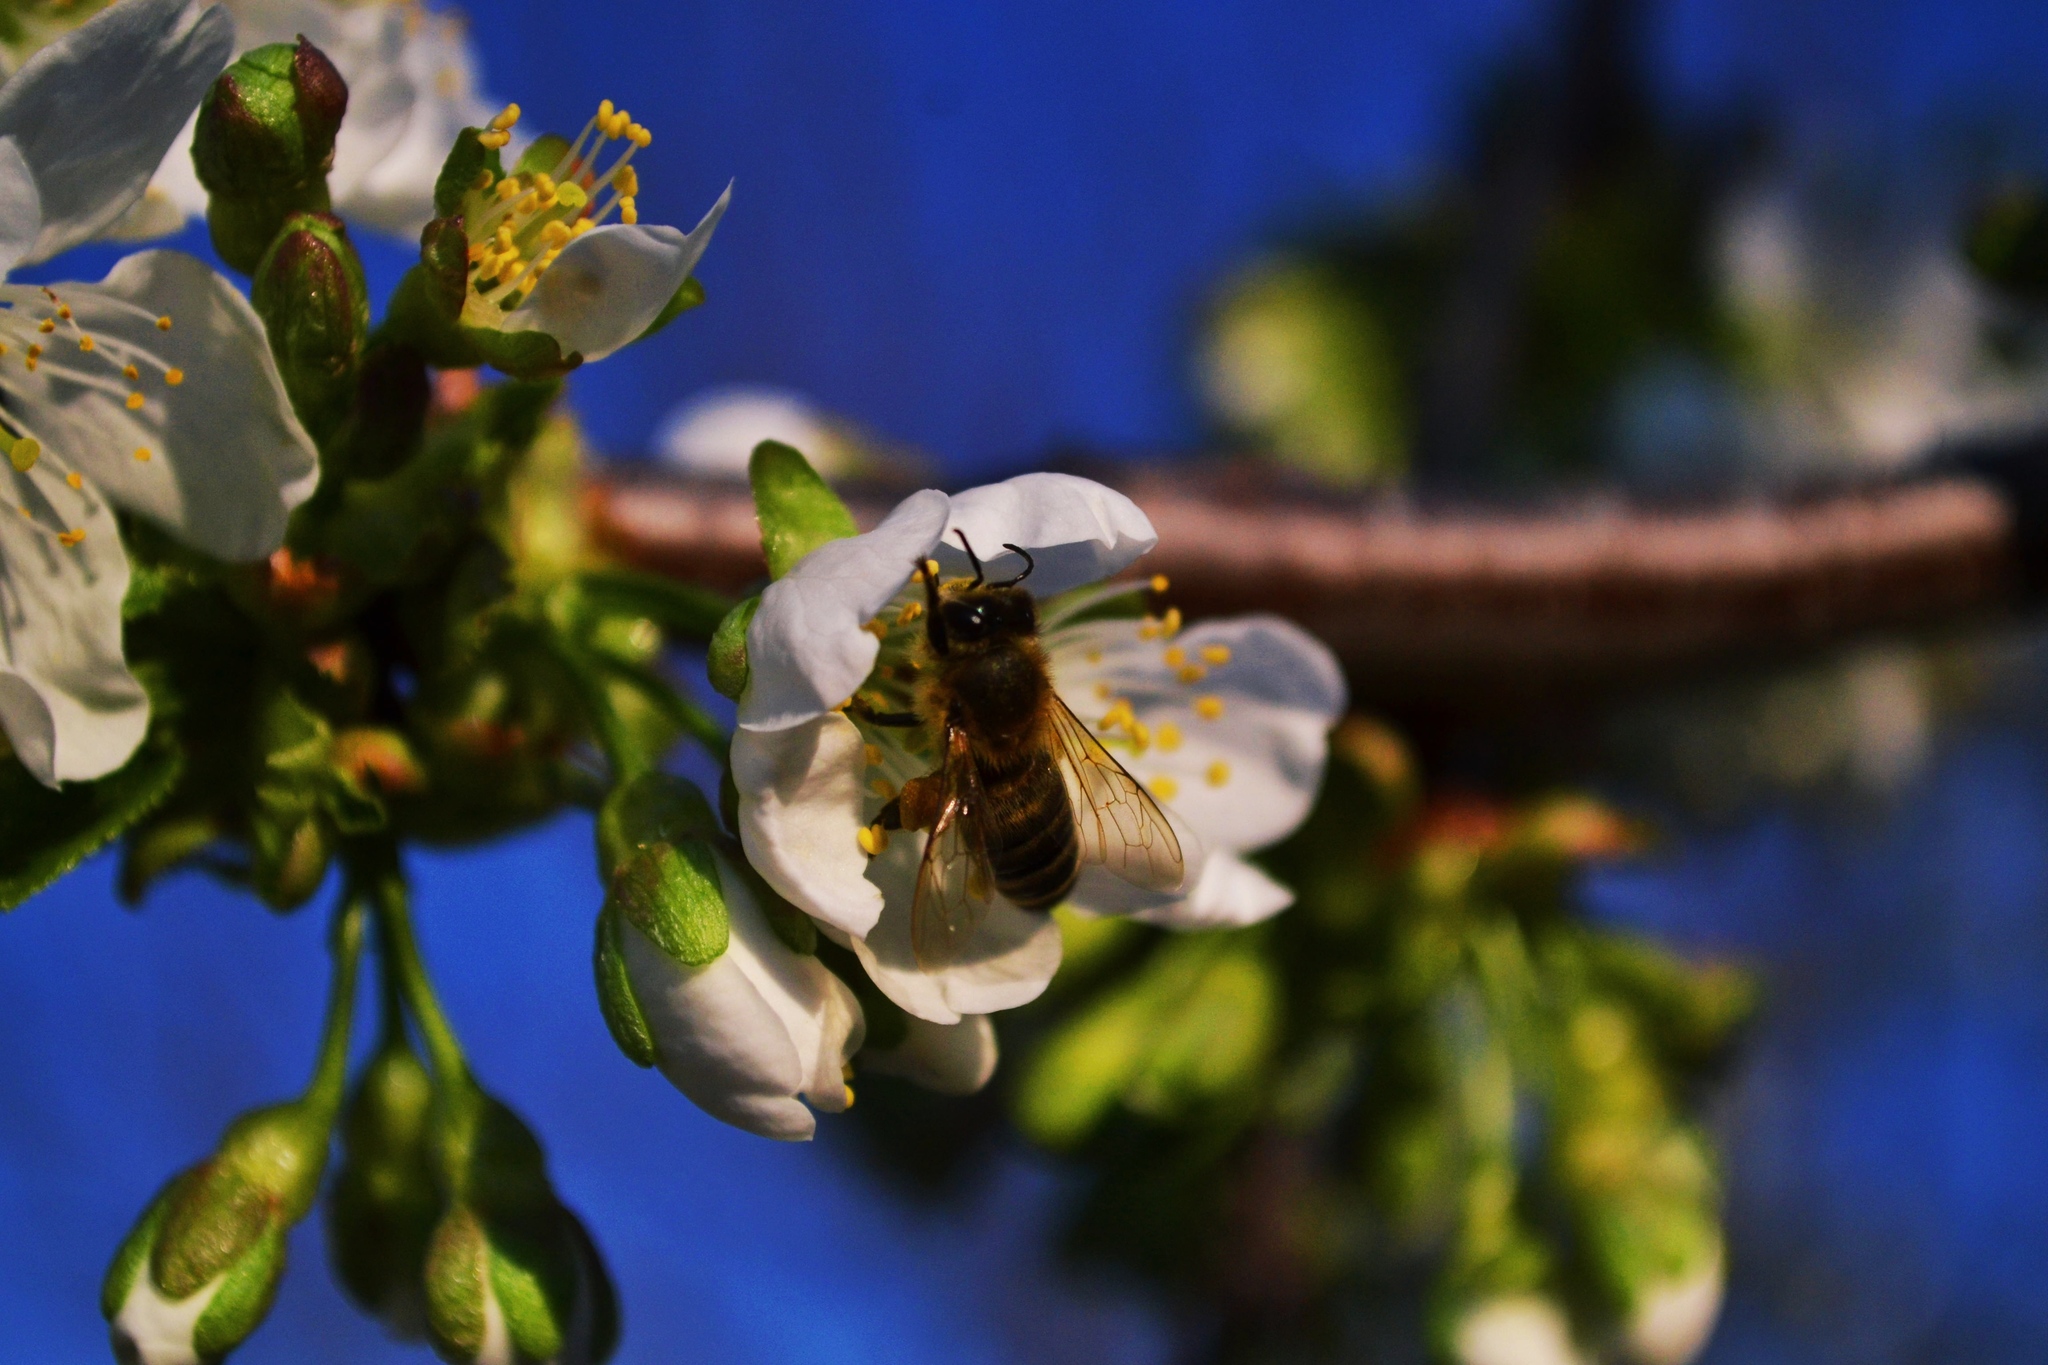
1170, 625
555, 234
35, 353
883, 788
876, 629
1165, 788
478, 251
1216, 655
1193, 674
86, 344
583, 225
494, 141
46, 326
508, 188
544, 182
506, 118
174, 376
24, 456
26, 515
130, 373
1209, 708
604, 113
849, 1094
73, 480
629, 213
1176, 657
71, 539
64, 311
873, 840
142, 454
483, 179
135, 400
911, 611
627, 181
163, 324
527, 205
504, 237
1159, 583
1169, 737
1217, 773
872, 753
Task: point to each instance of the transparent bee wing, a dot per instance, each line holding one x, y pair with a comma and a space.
955, 883
1119, 824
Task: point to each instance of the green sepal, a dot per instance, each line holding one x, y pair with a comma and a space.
653, 808
159, 846
672, 894
523, 355
133, 1254
798, 511
243, 1300
45, 833
217, 1216
414, 317
444, 266
534, 1277
725, 662
315, 305
615, 998
459, 171
689, 294
458, 1258
682, 609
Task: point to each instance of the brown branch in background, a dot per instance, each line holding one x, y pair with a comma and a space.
1480, 609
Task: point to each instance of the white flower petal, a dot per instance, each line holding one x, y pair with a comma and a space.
1007, 961
1673, 1319
21, 205
1229, 892
1243, 775
800, 817
96, 110
1076, 530
70, 707
157, 1330
395, 191
1519, 1329
806, 651
608, 285
952, 1059
751, 1035
229, 460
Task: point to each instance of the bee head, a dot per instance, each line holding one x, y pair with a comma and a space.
977, 616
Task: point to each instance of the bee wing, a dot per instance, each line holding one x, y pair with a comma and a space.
1119, 824
954, 880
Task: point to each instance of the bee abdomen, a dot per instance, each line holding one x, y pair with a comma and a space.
1033, 847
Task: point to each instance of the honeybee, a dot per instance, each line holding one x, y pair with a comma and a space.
1023, 795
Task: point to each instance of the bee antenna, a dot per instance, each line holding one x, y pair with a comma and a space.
1029, 565
934, 620
972, 558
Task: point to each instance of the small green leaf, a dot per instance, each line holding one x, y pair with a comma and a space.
726, 660
672, 894
687, 296
615, 998
798, 511
44, 833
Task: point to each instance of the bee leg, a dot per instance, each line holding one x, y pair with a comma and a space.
902, 720
934, 620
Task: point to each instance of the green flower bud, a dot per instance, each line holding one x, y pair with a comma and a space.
289, 852
264, 144
510, 1274
310, 293
384, 1203
726, 661
198, 1272
651, 809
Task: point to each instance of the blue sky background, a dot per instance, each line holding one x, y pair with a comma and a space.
985, 229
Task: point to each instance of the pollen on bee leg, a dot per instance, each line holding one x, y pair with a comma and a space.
1209, 708
1217, 773
873, 840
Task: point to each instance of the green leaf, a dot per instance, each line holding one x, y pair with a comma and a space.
44, 833
672, 894
798, 511
726, 660
687, 296
615, 998
682, 609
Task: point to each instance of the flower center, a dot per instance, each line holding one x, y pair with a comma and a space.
45, 351
518, 224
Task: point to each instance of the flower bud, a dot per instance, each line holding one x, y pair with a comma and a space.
264, 143
510, 1275
384, 1203
197, 1274
310, 293
694, 980
1514, 1329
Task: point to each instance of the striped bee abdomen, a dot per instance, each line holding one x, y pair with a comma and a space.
1033, 847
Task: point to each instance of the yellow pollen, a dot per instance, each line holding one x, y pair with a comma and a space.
1216, 655
1193, 674
174, 376
1119, 716
506, 118
1209, 708
873, 754
46, 326
873, 840
130, 373
1165, 788
135, 400
1176, 657
1169, 738
163, 324
73, 480
71, 539
24, 456
85, 344
1141, 735
142, 454
909, 613
1218, 773
1159, 583
883, 788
